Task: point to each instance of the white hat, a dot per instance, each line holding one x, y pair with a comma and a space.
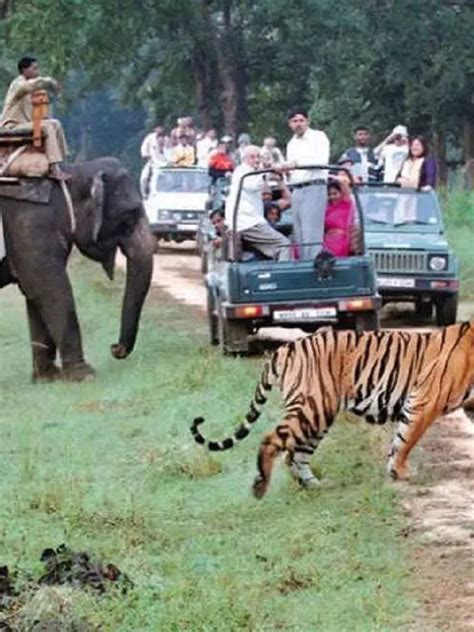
400, 130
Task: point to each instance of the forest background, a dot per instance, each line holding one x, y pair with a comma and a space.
237, 65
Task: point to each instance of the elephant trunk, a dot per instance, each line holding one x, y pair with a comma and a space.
138, 249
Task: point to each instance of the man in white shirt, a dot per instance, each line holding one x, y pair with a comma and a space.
250, 222
204, 146
392, 152
153, 146
153, 150
307, 147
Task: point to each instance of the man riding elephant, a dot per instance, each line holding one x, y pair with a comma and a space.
17, 112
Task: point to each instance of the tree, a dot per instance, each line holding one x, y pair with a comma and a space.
239, 64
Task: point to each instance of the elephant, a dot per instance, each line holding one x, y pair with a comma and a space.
39, 234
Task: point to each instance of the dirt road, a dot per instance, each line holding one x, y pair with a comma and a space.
440, 499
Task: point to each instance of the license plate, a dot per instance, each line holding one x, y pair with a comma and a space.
395, 282
187, 227
304, 314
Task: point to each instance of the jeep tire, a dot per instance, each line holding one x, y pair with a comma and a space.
233, 334
446, 310
366, 321
424, 309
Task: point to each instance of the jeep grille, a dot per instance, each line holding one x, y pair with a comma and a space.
389, 261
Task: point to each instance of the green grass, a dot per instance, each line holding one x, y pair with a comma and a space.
111, 467
458, 207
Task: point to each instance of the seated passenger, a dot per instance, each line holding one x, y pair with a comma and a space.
271, 212
250, 221
17, 113
339, 219
217, 219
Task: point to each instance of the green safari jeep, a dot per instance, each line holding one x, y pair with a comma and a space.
405, 235
247, 291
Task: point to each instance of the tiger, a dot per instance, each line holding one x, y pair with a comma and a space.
407, 377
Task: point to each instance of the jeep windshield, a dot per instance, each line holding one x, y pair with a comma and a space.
182, 181
387, 208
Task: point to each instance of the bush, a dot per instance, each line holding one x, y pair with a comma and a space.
458, 207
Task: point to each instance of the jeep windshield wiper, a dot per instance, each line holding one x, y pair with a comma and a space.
370, 220
412, 221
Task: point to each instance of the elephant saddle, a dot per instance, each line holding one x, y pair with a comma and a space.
22, 150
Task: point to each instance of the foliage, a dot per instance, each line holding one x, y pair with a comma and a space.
240, 64
458, 207
111, 467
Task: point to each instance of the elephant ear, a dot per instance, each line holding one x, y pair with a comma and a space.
96, 207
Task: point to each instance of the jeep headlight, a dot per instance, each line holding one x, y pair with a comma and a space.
438, 263
164, 215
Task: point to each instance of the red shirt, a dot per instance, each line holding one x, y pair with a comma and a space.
221, 162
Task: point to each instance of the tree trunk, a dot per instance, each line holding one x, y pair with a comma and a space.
439, 150
228, 95
202, 87
468, 138
6, 7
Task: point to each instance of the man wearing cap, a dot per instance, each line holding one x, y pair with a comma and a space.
309, 200
362, 156
392, 152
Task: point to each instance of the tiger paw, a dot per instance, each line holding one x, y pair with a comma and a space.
259, 487
309, 483
399, 472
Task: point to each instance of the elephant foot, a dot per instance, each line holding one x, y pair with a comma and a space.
119, 351
81, 372
46, 375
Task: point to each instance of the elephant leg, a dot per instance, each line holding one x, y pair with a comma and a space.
6, 276
57, 311
42, 346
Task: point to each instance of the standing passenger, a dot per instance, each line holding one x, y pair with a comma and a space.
362, 156
183, 154
307, 147
204, 146
392, 151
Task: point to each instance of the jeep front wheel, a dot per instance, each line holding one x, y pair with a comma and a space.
424, 309
366, 321
446, 310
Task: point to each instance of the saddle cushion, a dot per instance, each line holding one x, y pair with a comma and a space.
32, 163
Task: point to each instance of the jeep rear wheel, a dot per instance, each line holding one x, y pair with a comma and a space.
366, 321
233, 334
446, 310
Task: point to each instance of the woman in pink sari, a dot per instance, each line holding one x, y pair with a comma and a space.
339, 219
